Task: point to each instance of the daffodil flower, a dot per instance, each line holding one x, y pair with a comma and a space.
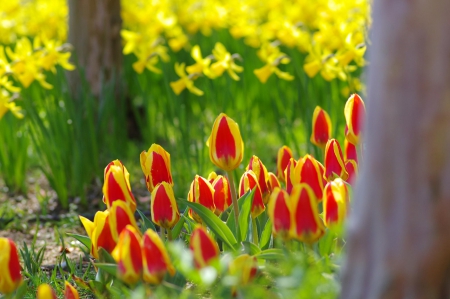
185, 81
225, 62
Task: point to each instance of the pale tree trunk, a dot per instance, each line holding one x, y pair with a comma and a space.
94, 32
399, 230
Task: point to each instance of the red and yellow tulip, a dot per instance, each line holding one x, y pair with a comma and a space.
212, 176
99, 232
245, 268
289, 175
273, 181
350, 152
128, 255
334, 161
203, 247
248, 182
306, 223
262, 175
120, 215
321, 127
283, 157
45, 291
156, 261
308, 171
10, 277
155, 164
70, 292
201, 192
117, 185
226, 148
163, 206
335, 201
355, 112
279, 211
352, 169
222, 194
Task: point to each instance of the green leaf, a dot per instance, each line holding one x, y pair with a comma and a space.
266, 235
176, 231
146, 223
214, 223
245, 205
104, 256
85, 240
247, 247
271, 254
108, 268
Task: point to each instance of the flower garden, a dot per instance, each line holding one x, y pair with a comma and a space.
219, 163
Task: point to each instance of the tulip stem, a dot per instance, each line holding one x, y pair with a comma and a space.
255, 232
163, 234
235, 203
169, 234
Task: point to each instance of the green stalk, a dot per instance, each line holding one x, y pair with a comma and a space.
255, 232
235, 203
163, 234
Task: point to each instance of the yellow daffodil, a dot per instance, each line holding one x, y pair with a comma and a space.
185, 81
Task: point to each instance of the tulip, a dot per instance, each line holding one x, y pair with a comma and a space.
249, 182
283, 157
335, 200
306, 224
163, 206
10, 277
279, 211
128, 255
117, 185
262, 175
156, 166
222, 194
354, 112
156, 261
226, 148
273, 181
201, 192
119, 217
350, 152
44, 291
289, 175
212, 176
99, 232
70, 292
321, 127
308, 171
352, 168
334, 162
203, 247
244, 267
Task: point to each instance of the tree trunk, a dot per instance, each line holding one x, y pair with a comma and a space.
94, 32
399, 230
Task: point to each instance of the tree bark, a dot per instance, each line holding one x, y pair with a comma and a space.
94, 32
399, 230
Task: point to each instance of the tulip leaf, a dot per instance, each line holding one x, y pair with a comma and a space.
104, 256
214, 223
266, 235
247, 247
85, 240
146, 223
107, 268
271, 254
245, 205
176, 231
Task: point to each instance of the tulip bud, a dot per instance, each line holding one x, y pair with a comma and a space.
10, 277
117, 185
308, 171
355, 112
156, 166
128, 255
334, 162
289, 175
203, 247
99, 232
163, 206
350, 152
306, 224
283, 157
44, 291
212, 176
352, 168
335, 200
262, 175
70, 292
222, 194
201, 192
279, 211
120, 215
321, 127
244, 267
273, 182
156, 260
249, 182
226, 148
